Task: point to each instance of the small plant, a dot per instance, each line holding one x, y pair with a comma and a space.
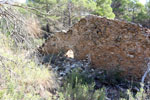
78, 87
111, 77
81, 76
140, 95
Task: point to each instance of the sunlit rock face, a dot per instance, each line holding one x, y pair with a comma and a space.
108, 43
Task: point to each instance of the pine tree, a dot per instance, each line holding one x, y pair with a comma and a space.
104, 8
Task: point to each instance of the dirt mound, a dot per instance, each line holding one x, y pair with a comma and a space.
107, 43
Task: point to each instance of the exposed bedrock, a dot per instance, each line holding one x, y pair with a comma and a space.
108, 43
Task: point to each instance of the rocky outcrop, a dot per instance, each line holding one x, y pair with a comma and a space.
108, 43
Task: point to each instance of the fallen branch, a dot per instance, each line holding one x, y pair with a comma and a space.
145, 74
50, 13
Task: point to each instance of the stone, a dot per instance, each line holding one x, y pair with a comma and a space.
108, 43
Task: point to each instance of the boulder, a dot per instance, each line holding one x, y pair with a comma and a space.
108, 43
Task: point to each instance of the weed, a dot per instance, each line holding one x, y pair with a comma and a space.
78, 87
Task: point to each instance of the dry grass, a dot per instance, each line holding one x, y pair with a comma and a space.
33, 27
21, 78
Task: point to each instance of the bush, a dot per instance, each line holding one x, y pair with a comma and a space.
78, 87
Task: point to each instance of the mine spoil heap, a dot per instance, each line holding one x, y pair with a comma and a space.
108, 43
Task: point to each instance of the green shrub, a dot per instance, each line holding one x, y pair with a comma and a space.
141, 95
78, 87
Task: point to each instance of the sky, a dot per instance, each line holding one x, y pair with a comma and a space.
143, 1
21, 1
